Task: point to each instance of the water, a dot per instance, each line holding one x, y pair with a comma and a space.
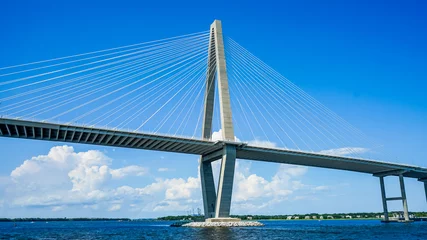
331, 229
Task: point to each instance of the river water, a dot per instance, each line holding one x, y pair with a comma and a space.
312, 229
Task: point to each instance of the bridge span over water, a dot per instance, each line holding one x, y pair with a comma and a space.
208, 149
214, 77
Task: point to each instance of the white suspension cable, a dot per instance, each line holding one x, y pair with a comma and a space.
100, 51
69, 74
133, 63
128, 86
98, 56
183, 73
296, 101
40, 111
313, 101
161, 107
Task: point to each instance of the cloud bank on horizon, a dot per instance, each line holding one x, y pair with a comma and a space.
68, 182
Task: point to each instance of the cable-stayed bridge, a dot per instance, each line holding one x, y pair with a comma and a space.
201, 94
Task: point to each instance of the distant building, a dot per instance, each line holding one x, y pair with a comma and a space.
358, 216
249, 218
321, 217
348, 216
330, 217
314, 217
296, 218
307, 217
289, 218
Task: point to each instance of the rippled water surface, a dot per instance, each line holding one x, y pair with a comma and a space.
330, 229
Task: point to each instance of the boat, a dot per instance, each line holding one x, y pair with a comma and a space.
180, 223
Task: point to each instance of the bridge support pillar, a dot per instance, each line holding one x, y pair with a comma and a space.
400, 173
425, 189
225, 183
424, 180
384, 198
404, 202
208, 188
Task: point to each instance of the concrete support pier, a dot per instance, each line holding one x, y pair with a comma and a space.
208, 188
425, 189
424, 180
385, 198
225, 183
217, 204
404, 202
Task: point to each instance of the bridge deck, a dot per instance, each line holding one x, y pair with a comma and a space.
107, 137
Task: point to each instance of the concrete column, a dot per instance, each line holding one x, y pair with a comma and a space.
206, 174
383, 196
216, 61
425, 189
224, 94
405, 203
210, 89
225, 184
208, 188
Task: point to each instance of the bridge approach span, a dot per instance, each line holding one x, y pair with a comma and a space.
212, 150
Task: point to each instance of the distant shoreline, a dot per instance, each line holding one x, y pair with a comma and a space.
64, 219
160, 220
311, 216
320, 219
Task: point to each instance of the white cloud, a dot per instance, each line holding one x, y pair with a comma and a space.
321, 188
89, 178
132, 170
175, 188
171, 206
115, 207
344, 151
262, 143
292, 170
250, 186
217, 136
165, 169
58, 208
64, 179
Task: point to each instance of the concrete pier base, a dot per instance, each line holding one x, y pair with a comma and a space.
224, 222
402, 197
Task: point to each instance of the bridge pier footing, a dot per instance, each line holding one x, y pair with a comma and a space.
225, 182
404, 201
424, 180
425, 189
402, 197
217, 204
208, 188
383, 196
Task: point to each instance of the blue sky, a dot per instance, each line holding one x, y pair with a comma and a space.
365, 60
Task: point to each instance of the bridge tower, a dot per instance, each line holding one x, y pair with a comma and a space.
217, 203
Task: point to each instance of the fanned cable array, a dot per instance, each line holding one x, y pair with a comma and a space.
154, 86
271, 111
159, 87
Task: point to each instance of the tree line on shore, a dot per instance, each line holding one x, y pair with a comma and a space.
361, 215
60, 219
